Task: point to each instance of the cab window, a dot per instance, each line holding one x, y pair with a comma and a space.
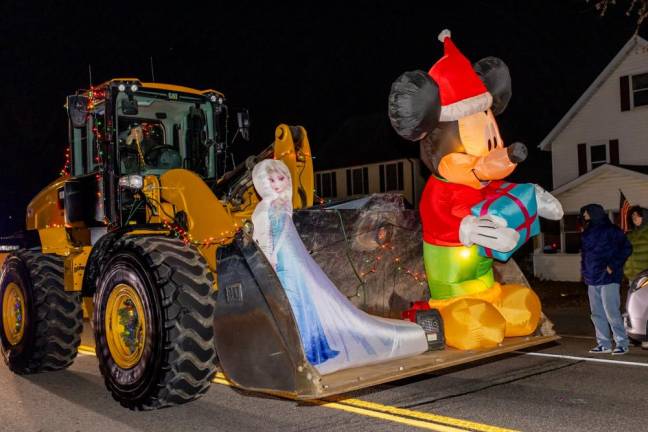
85, 156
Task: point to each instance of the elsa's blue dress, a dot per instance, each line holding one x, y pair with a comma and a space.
335, 334
316, 346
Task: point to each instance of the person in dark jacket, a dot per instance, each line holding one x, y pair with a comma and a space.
604, 250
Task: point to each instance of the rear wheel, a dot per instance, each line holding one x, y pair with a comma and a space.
153, 323
41, 322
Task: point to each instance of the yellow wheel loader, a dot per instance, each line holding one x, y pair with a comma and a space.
147, 234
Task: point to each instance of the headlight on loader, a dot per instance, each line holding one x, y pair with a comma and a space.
131, 181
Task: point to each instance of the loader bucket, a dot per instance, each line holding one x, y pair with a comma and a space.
374, 256
256, 335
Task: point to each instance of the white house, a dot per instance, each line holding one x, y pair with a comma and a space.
598, 148
400, 175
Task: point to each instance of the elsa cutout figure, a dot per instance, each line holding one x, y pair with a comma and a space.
334, 333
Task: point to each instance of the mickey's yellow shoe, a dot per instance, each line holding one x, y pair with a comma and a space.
521, 309
482, 320
472, 321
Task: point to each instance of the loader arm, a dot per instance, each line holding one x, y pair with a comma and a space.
292, 147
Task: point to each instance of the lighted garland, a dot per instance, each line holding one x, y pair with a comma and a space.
95, 95
98, 130
417, 276
188, 239
67, 166
300, 155
378, 257
320, 200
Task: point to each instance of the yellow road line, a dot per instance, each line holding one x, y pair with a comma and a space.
370, 413
371, 409
392, 410
419, 415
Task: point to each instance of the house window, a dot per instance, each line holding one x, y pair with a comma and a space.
639, 90
598, 155
550, 235
357, 181
326, 185
572, 234
391, 177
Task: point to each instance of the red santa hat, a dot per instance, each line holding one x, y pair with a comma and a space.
461, 91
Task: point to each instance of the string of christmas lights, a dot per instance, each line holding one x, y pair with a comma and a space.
301, 156
67, 167
320, 201
419, 277
95, 95
188, 239
397, 261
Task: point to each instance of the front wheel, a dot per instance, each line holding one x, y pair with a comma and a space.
153, 323
41, 322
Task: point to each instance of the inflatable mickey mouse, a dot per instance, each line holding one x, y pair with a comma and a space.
469, 215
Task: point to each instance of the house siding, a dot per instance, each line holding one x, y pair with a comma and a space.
600, 119
557, 267
604, 189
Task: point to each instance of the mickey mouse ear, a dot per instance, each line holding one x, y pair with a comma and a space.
496, 77
414, 105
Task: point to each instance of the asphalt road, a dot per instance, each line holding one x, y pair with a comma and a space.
528, 392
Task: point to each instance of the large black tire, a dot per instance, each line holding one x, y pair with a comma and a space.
53, 318
178, 300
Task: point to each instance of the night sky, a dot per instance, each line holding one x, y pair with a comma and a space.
327, 67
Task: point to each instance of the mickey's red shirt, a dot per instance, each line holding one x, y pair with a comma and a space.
444, 205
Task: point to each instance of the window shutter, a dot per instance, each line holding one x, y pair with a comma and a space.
326, 185
614, 152
333, 185
382, 177
349, 184
365, 180
624, 88
582, 159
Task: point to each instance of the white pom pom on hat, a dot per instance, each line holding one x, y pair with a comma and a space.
445, 33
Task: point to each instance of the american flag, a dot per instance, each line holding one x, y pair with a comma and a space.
624, 208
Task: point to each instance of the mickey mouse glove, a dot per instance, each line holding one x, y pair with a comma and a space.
488, 231
548, 206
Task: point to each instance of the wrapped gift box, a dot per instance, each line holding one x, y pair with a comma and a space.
515, 203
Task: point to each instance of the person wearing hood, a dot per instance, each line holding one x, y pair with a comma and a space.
638, 236
604, 250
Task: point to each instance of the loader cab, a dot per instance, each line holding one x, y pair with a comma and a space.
125, 129
158, 130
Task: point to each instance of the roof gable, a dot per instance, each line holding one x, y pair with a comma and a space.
634, 41
603, 169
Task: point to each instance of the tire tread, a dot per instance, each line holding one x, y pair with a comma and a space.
58, 317
188, 300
